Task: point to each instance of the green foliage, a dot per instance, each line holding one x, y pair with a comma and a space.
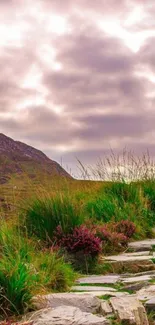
26, 271
149, 192
54, 273
102, 208
45, 214
17, 277
120, 201
124, 192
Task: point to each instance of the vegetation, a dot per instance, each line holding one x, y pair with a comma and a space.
50, 231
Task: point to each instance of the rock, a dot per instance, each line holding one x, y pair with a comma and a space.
146, 293
87, 303
136, 286
142, 245
135, 279
127, 258
145, 253
105, 308
150, 304
126, 275
122, 263
103, 279
103, 293
65, 315
92, 288
129, 310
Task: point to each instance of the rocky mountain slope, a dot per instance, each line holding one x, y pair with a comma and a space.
17, 158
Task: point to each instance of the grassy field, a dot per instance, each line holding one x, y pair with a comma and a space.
53, 229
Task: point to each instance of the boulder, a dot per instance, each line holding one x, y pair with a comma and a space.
105, 308
66, 315
86, 302
129, 310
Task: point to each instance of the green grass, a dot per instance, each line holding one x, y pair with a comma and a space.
26, 271
54, 274
43, 215
27, 267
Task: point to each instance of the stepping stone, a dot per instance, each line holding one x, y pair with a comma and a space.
92, 288
126, 275
87, 303
127, 258
145, 253
150, 304
146, 293
103, 279
136, 279
142, 245
129, 310
104, 293
136, 286
67, 315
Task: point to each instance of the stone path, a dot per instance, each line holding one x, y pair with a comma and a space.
126, 295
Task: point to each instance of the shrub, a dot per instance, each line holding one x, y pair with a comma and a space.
81, 239
125, 227
111, 241
82, 245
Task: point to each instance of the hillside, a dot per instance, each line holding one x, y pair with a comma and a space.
17, 158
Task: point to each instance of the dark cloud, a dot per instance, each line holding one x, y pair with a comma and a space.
103, 87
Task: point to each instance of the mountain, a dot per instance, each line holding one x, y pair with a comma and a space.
17, 158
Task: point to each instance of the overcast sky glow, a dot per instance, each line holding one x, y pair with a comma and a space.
78, 76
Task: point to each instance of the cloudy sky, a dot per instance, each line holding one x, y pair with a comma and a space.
77, 77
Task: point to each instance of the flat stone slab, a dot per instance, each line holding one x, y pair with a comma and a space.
127, 258
103, 279
67, 315
129, 310
146, 293
136, 286
142, 245
127, 275
145, 253
135, 279
92, 288
87, 303
104, 293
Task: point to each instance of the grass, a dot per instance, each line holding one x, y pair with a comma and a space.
44, 215
32, 210
26, 271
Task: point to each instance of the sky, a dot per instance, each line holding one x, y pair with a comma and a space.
77, 77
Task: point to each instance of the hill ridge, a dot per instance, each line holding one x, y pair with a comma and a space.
16, 155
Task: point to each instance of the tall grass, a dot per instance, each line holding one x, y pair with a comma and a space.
17, 280
125, 166
43, 215
54, 273
26, 271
